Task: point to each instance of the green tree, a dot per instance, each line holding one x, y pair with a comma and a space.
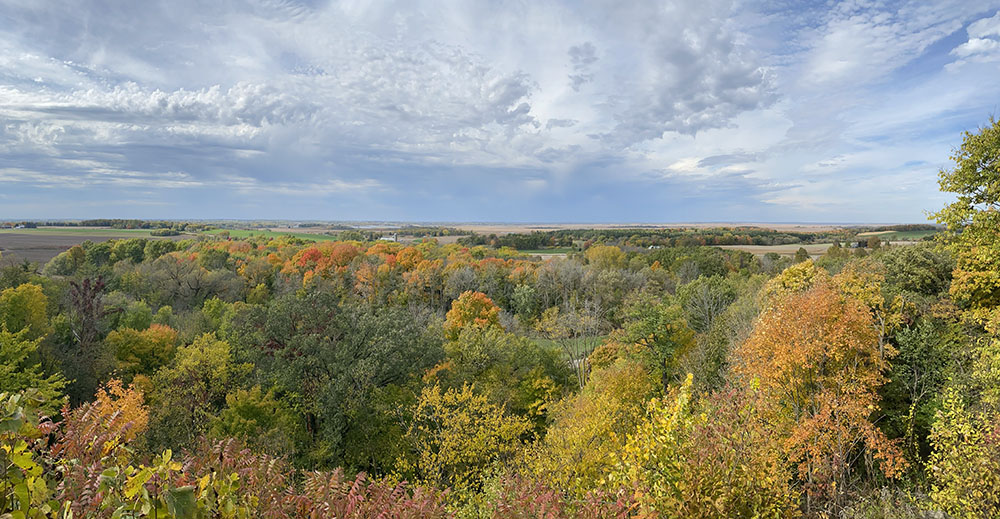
187, 393
660, 329
325, 359
259, 419
920, 269
20, 370
973, 218
513, 372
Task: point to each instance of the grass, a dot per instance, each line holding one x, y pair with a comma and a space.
554, 250
246, 233
578, 346
88, 231
899, 235
909, 235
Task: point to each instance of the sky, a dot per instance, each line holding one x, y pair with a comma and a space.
505, 111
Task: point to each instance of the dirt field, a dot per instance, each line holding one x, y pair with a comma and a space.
41, 245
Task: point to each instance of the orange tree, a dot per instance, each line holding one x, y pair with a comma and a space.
471, 308
814, 356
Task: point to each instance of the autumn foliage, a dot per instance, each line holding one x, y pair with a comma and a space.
279, 377
814, 357
471, 309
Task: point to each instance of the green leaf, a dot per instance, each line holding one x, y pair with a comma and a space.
23, 461
181, 502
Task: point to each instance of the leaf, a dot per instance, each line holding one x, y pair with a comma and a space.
181, 502
135, 483
23, 461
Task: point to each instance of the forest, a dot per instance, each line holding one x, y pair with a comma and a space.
274, 377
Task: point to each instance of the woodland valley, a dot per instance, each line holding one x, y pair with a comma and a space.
639, 372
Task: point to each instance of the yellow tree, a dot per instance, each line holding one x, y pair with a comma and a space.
965, 464
141, 352
795, 278
716, 458
24, 308
863, 281
605, 257
456, 436
589, 428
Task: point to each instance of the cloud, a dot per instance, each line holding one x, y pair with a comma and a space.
405, 109
581, 57
983, 45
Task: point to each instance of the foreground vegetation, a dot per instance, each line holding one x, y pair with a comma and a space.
273, 377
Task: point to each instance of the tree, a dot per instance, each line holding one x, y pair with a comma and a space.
589, 428
325, 359
514, 372
84, 359
188, 392
919, 373
973, 218
470, 309
577, 333
920, 269
96, 433
864, 281
87, 309
604, 257
456, 436
815, 355
796, 278
24, 308
259, 419
660, 329
717, 459
704, 299
19, 370
801, 255
141, 352
965, 464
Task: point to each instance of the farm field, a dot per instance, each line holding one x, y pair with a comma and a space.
77, 231
268, 233
814, 249
899, 235
44, 243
